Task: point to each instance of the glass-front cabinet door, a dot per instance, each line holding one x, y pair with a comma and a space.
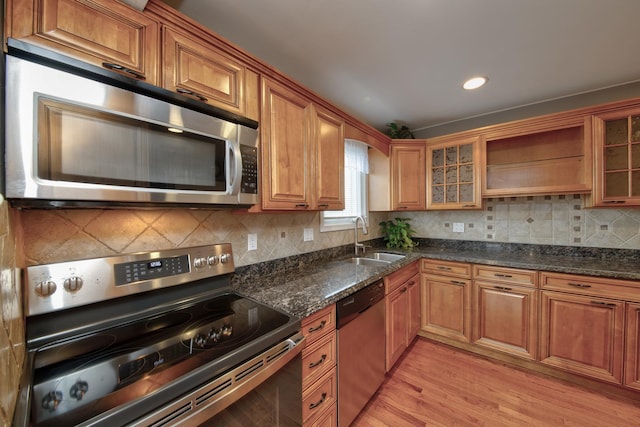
617, 158
454, 174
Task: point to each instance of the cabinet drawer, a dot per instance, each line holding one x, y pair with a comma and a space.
318, 358
319, 396
327, 419
588, 285
399, 278
446, 268
318, 324
506, 275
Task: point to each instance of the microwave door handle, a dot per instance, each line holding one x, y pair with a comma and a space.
234, 167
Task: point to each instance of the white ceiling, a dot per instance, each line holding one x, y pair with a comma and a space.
405, 60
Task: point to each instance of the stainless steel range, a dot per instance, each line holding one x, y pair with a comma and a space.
155, 338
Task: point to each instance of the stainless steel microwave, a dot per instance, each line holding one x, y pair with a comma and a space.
77, 141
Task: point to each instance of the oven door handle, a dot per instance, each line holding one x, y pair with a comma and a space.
207, 401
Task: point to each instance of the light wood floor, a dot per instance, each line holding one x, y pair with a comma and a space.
435, 385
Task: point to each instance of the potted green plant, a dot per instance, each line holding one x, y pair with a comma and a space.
399, 131
397, 233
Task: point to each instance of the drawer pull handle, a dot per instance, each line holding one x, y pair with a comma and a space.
403, 290
579, 285
506, 276
606, 304
324, 205
441, 267
192, 93
411, 283
319, 327
302, 205
319, 362
114, 66
502, 288
319, 402
402, 207
456, 282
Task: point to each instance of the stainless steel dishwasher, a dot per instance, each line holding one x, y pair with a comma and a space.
361, 350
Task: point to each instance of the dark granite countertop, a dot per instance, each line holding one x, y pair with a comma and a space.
304, 284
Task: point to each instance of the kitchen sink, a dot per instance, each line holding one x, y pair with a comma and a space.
369, 261
386, 256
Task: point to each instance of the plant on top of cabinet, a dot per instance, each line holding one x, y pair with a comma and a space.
397, 233
617, 158
399, 131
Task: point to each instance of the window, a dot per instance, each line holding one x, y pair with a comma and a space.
356, 168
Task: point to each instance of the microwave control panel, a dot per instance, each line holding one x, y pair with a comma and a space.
249, 184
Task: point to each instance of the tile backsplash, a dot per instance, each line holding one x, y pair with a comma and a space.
545, 220
58, 235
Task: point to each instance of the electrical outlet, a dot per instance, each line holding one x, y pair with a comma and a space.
308, 234
458, 227
252, 242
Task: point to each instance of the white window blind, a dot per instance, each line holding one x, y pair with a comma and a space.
356, 168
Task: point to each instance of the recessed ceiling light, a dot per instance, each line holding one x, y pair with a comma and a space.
474, 83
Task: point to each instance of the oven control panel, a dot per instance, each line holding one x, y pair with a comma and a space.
63, 285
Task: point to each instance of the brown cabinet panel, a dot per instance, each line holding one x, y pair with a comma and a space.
632, 347
505, 318
505, 275
320, 396
446, 306
329, 164
197, 69
286, 148
96, 31
408, 179
616, 137
402, 311
453, 174
582, 334
446, 268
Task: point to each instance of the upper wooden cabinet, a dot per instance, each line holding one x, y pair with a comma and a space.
551, 155
302, 152
408, 178
328, 136
105, 33
198, 69
453, 174
617, 158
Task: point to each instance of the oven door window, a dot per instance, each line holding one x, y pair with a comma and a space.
84, 145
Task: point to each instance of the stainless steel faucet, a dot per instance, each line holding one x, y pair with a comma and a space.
358, 245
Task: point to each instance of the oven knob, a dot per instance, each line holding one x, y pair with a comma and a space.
51, 400
224, 258
200, 341
46, 288
213, 259
200, 262
227, 330
214, 335
73, 283
79, 389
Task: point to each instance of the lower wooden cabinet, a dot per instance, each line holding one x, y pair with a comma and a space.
319, 377
446, 299
402, 311
583, 334
632, 347
506, 310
